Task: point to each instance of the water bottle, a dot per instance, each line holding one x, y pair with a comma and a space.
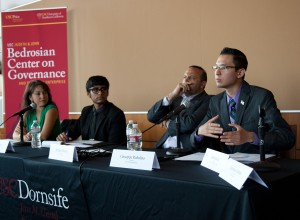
35, 131
128, 130
135, 138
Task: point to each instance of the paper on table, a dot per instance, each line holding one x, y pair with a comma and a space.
76, 143
83, 143
241, 157
48, 143
249, 158
192, 157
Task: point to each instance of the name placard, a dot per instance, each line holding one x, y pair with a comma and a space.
237, 173
66, 153
214, 160
6, 145
229, 169
141, 160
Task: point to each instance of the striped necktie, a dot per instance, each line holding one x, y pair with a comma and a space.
232, 113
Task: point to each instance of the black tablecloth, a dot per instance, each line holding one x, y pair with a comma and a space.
35, 187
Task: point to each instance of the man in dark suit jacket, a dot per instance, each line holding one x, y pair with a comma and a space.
235, 128
102, 121
189, 92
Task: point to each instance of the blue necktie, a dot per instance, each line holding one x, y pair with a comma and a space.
232, 113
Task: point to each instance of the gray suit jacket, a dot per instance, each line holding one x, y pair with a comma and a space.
278, 135
189, 118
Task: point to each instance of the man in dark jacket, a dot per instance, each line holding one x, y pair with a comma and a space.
189, 93
231, 123
102, 121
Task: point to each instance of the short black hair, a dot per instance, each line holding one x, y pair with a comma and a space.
203, 75
96, 81
239, 58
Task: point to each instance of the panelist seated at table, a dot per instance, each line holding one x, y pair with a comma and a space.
231, 122
191, 93
101, 121
46, 112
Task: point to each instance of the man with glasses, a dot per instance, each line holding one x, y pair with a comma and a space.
101, 121
191, 93
231, 122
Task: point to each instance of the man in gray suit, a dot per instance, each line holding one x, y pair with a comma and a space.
231, 122
189, 93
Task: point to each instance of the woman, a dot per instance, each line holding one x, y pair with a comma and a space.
46, 112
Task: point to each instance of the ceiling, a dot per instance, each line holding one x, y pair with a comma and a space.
10, 4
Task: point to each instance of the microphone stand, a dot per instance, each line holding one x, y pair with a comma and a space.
178, 151
21, 143
177, 131
263, 165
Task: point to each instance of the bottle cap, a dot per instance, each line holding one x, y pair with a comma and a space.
130, 121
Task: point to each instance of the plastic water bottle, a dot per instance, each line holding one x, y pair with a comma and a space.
35, 131
128, 130
135, 138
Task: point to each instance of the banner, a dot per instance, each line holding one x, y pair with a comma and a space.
34, 47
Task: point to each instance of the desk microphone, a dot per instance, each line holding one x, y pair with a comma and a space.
21, 123
30, 107
263, 165
184, 105
20, 113
179, 151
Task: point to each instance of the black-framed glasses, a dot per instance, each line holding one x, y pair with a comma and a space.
222, 67
96, 90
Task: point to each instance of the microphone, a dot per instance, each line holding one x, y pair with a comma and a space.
178, 151
21, 123
261, 132
30, 107
184, 105
263, 165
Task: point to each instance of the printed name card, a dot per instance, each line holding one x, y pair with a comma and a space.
6, 145
229, 169
66, 153
237, 173
141, 160
214, 160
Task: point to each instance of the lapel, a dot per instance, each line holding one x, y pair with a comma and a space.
194, 102
87, 119
198, 98
242, 103
224, 111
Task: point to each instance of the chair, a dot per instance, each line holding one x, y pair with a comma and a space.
291, 153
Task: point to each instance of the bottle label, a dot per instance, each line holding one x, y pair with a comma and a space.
133, 138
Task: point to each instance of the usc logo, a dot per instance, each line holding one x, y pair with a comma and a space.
7, 187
